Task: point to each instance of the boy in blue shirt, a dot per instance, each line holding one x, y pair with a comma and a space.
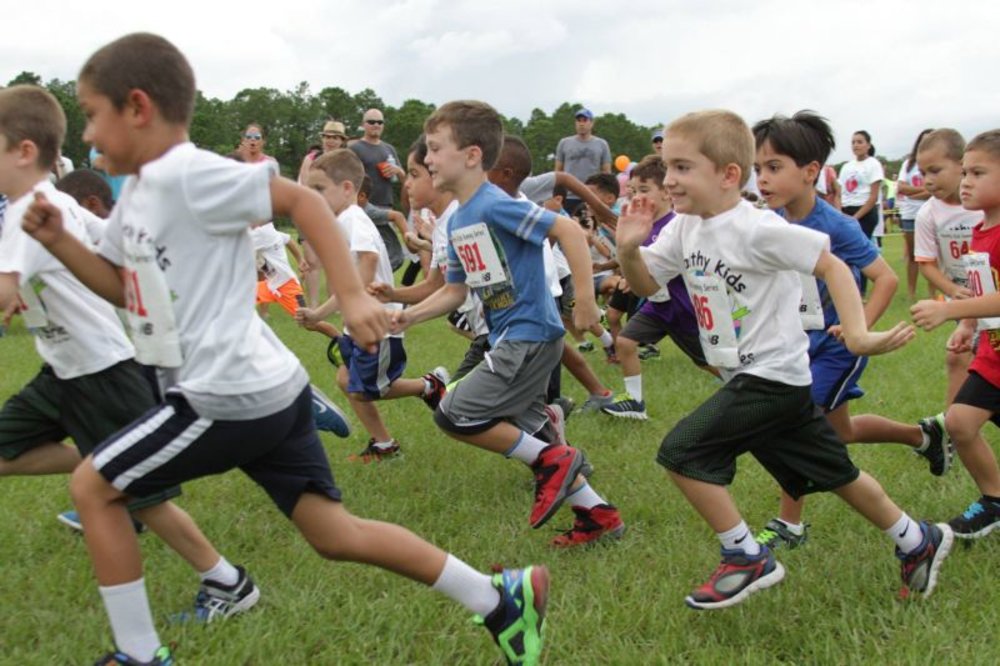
495, 247
790, 152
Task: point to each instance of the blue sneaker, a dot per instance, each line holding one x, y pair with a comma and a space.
981, 518
920, 568
216, 601
327, 415
161, 658
71, 519
518, 620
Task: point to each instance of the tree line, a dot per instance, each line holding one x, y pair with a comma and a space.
292, 121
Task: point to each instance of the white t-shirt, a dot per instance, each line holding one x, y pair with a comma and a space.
94, 225
909, 174
272, 258
362, 236
76, 331
942, 233
857, 180
439, 239
741, 269
180, 231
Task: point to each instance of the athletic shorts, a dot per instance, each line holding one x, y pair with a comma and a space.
977, 392
289, 295
509, 384
777, 423
88, 409
907, 225
371, 374
623, 301
835, 374
473, 356
648, 330
171, 444
567, 301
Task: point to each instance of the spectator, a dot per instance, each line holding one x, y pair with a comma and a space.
582, 154
379, 158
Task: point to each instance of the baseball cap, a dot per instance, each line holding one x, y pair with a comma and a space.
586, 113
658, 134
335, 127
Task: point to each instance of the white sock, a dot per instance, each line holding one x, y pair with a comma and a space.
925, 441
739, 538
472, 589
633, 386
223, 573
606, 339
131, 619
795, 528
526, 449
906, 533
585, 497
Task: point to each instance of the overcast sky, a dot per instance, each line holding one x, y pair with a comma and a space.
891, 67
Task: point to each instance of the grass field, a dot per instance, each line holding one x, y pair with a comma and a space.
615, 604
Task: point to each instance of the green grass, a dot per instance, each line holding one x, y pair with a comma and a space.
620, 604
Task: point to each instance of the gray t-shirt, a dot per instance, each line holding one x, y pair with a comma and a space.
583, 158
371, 155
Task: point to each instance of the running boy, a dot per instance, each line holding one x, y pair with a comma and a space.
943, 233
790, 154
241, 399
739, 264
90, 385
978, 399
495, 247
365, 376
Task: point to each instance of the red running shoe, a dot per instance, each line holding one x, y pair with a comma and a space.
556, 468
738, 576
592, 525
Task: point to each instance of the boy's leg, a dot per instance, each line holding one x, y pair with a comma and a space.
631, 404
957, 368
40, 460
598, 395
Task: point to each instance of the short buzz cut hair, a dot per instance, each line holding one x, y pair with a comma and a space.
146, 62
650, 168
31, 113
472, 123
341, 165
604, 182
83, 183
721, 136
950, 139
516, 156
988, 142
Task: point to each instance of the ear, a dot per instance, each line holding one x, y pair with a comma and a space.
140, 107
811, 171
27, 152
473, 156
732, 173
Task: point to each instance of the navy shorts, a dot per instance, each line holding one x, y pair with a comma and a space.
835, 374
171, 444
371, 374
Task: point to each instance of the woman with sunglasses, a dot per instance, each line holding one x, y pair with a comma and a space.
252, 148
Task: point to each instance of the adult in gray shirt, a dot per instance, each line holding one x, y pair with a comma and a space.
582, 154
380, 159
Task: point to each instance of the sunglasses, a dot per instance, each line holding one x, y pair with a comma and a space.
252, 137
657, 140
330, 136
375, 122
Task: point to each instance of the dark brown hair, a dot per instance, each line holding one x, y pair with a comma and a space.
472, 123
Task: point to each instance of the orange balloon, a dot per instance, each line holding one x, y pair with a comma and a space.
622, 162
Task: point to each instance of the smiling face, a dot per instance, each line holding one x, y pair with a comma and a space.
980, 188
108, 130
942, 175
446, 162
693, 182
780, 180
332, 141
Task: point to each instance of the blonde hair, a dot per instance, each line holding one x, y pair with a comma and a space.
721, 136
31, 113
340, 165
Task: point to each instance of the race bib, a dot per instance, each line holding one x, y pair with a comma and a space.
810, 307
716, 329
149, 309
32, 310
478, 254
953, 247
980, 282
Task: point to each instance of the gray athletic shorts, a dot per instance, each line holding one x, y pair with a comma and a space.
508, 385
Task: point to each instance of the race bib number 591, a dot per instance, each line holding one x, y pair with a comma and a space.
478, 254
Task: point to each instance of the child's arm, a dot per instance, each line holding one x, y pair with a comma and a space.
884, 283
634, 226
296, 251
585, 194
387, 293
8, 291
398, 221
928, 315
43, 222
442, 301
367, 264
934, 275
871, 202
847, 301
572, 240
366, 318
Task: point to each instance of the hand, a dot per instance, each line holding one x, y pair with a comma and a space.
399, 321
961, 292
366, 318
927, 314
43, 221
8, 314
383, 292
635, 223
960, 341
836, 331
873, 343
306, 317
585, 313
425, 226
623, 285
305, 266
415, 243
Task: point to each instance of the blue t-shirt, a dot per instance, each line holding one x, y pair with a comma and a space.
495, 245
849, 244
